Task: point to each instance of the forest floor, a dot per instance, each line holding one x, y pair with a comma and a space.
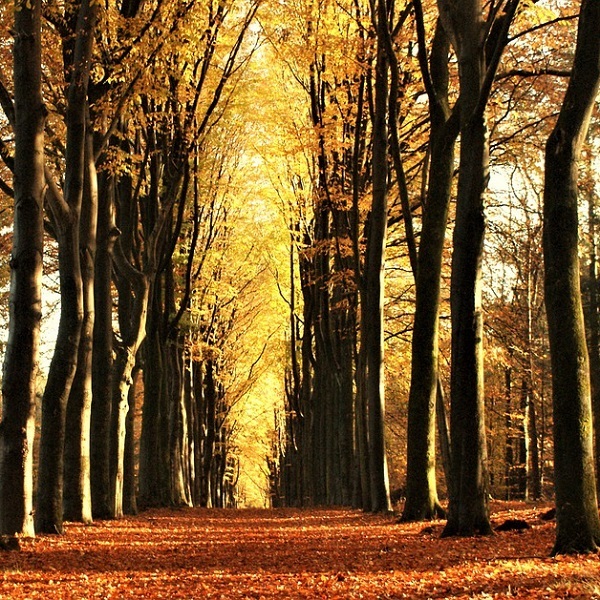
286, 553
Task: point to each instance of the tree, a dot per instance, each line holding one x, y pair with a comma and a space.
21, 360
478, 44
421, 490
372, 286
578, 525
77, 499
102, 356
65, 213
113, 150
593, 322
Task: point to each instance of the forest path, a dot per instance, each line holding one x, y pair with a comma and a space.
286, 553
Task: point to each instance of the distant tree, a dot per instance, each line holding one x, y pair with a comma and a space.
372, 285
21, 359
578, 525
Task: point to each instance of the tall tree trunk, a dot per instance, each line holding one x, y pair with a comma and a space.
361, 494
151, 451
178, 422
534, 478
534, 470
22, 350
373, 286
102, 365
77, 491
479, 46
578, 525
210, 393
509, 454
421, 489
306, 404
102, 358
362, 491
468, 507
443, 429
66, 214
523, 442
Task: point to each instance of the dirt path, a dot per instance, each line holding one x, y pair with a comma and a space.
329, 554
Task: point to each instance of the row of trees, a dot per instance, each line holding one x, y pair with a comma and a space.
471, 61
121, 161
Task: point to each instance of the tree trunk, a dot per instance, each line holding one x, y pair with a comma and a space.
421, 489
443, 429
468, 507
129, 462
77, 492
593, 324
210, 395
151, 451
373, 287
21, 358
534, 476
523, 475
66, 214
133, 285
509, 453
534, 470
578, 525
102, 380
102, 359
49, 510
178, 422
308, 482
133, 331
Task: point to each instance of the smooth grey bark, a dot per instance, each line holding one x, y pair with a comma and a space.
578, 525
21, 358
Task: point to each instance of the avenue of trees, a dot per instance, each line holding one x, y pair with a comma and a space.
377, 220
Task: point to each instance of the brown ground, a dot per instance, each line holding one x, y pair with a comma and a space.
328, 554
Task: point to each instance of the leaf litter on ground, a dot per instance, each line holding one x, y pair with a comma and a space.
292, 553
